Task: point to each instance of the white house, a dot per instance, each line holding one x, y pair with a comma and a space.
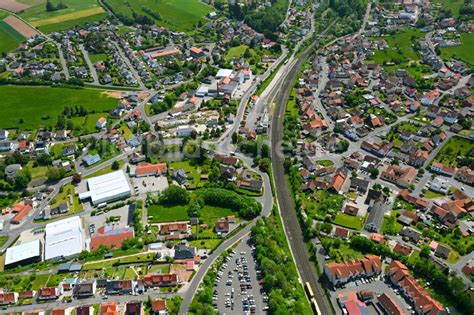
101, 122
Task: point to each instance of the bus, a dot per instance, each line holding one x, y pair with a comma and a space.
309, 291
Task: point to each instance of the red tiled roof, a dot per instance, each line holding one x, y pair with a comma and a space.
150, 169
158, 305
173, 227
152, 280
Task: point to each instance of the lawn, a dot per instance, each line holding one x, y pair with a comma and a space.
3, 239
320, 203
193, 173
162, 213
38, 171
237, 51
141, 258
105, 170
210, 214
400, 46
454, 148
463, 52
179, 15
390, 225
210, 244
9, 37
97, 57
325, 162
63, 196
130, 274
431, 194
21, 104
349, 221
159, 269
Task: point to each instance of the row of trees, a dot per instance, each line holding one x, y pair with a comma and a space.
286, 295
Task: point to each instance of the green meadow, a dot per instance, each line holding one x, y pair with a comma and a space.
28, 107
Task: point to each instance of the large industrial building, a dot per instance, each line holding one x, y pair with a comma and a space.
23, 254
63, 238
106, 187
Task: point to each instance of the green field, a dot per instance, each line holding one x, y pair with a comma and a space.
209, 215
237, 51
30, 107
463, 52
38, 9
9, 38
401, 52
453, 5
162, 213
179, 15
71, 23
456, 146
349, 221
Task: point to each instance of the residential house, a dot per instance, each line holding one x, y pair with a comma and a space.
160, 280
465, 175
442, 251
85, 289
402, 177
158, 307
134, 308
423, 303
8, 297
222, 226
101, 123
49, 293
442, 169
120, 287
341, 273
185, 252
109, 308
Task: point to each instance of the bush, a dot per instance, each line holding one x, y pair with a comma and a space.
174, 195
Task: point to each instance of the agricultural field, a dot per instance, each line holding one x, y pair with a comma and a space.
21, 104
179, 15
463, 52
9, 37
77, 12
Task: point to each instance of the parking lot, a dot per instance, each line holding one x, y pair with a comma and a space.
144, 185
122, 216
236, 290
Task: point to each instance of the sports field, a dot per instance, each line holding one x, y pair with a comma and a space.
180, 15
9, 38
77, 12
21, 104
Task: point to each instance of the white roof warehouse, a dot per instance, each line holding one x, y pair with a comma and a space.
26, 253
63, 238
106, 187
